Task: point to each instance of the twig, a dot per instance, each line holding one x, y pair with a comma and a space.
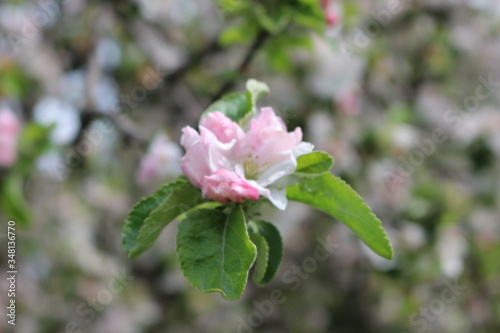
129, 130
258, 42
211, 48
126, 14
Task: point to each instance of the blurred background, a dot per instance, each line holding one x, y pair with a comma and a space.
404, 95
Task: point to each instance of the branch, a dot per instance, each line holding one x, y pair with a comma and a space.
195, 60
123, 124
126, 13
258, 42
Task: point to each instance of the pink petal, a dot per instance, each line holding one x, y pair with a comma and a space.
9, 131
267, 119
225, 186
189, 137
222, 127
205, 155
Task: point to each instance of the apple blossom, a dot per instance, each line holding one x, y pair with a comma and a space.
225, 186
230, 159
331, 10
9, 131
223, 128
231, 165
160, 163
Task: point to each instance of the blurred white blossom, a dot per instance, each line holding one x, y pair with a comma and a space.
451, 248
160, 163
108, 53
64, 116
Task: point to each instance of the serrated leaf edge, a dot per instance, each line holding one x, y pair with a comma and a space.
181, 180
370, 212
282, 252
222, 292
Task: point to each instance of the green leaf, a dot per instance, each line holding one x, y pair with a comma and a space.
181, 199
336, 198
262, 257
309, 165
314, 163
240, 107
278, 52
235, 106
274, 18
13, 202
231, 6
352, 15
215, 251
14, 82
34, 140
268, 256
309, 14
279, 59
257, 89
141, 211
239, 33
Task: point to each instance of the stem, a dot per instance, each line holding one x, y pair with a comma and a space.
195, 60
257, 43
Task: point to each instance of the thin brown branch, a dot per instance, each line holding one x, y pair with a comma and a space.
127, 14
195, 60
123, 124
257, 43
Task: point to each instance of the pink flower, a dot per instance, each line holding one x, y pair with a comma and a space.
222, 127
331, 11
269, 151
205, 154
9, 131
160, 163
225, 186
231, 165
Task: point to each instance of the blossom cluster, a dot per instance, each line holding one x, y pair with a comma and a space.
231, 165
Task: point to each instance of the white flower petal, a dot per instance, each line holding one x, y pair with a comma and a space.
278, 198
276, 171
302, 149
